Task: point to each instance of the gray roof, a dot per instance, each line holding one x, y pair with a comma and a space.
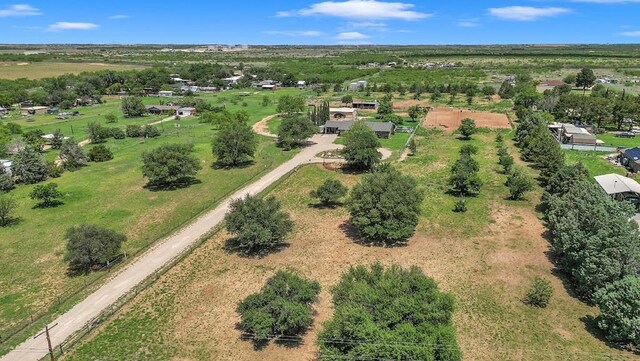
343, 125
615, 183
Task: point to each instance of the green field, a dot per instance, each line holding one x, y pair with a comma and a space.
111, 194
39, 70
610, 139
595, 162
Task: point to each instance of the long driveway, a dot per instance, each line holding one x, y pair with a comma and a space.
159, 255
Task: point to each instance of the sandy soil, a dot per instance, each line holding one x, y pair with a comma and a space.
450, 118
262, 127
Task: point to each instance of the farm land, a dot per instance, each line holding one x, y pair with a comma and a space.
485, 257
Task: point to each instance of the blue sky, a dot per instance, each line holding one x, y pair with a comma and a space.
320, 22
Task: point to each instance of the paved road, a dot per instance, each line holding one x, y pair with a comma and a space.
162, 253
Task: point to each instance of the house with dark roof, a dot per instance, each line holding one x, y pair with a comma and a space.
368, 105
162, 109
382, 129
630, 158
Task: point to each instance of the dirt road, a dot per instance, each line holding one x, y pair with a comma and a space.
159, 255
262, 127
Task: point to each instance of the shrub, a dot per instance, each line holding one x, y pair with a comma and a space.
28, 166
72, 155
8, 205
97, 133
54, 169
506, 161
519, 183
464, 178
259, 225
460, 206
134, 131
151, 131
100, 153
385, 206
110, 118
468, 149
47, 195
467, 128
90, 246
6, 180
539, 293
386, 314
329, 192
133, 107
619, 304
282, 307
117, 133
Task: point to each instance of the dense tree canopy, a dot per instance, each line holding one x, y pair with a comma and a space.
29, 167
90, 247
361, 147
282, 307
389, 314
330, 192
235, 143
294, 129
170, 165
385, 206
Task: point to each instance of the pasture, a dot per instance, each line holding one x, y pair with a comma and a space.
39, 70
485, 258
450, 119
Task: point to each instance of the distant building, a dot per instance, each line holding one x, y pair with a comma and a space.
186, 111
162, 109
4, 111
5, 165
630, 158
165, 93
366, 105
233, 79
358, 85
302, 84
343, 113
382, 129
34, 110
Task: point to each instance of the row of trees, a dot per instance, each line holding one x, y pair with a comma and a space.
593, 237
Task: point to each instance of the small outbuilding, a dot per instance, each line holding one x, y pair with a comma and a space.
162, 109
382, 129
343, 113
165, 93
5, 165
186, 111
365, 105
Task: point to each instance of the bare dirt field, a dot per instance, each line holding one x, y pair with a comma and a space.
450, 118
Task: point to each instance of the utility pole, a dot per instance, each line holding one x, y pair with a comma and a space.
46, 332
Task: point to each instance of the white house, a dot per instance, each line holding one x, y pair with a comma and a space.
358, 85
302, 84
233, 79
186, 111
165, 93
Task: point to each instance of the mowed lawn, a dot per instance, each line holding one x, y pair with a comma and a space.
485, 258
595, 162
38, 70
111, 194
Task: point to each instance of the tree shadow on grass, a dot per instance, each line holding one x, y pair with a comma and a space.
13, 221
233, 245
260, 343
591, 326
75, 271
352, 233
241, 165
332, 205
182, 183
52, 204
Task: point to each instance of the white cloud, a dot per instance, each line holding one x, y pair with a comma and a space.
606, 1
526, 13
359, 9
631, 33
352, 35
295, 32
63, 25
468, 23
19, 10
366, 24
119, 16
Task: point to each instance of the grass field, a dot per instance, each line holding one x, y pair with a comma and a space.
610, 139
485, 258
38, 70
111, 194
595, 162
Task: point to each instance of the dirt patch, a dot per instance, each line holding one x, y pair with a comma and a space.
262, 127
404, 105
450, 119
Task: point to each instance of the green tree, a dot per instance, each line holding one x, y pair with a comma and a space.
518, 183
294, 129
291, 104
133, 107
28, 166
72, 155
58, 138
360, 147
90, 247
234, 144
570, 79
506, 161
385, 206
585, 79
507, 90
413, 146
170, 165
468, 149
34, 139
134, 131
100, 153
47, 195
6, 180
110, 118
347, 99
282, 307
467, 128
415, 112
389, 314
259, 225
97, 133
464, 178
539, 293
330, 192
8, 205
619, 304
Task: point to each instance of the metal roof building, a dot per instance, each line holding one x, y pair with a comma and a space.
614, 184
